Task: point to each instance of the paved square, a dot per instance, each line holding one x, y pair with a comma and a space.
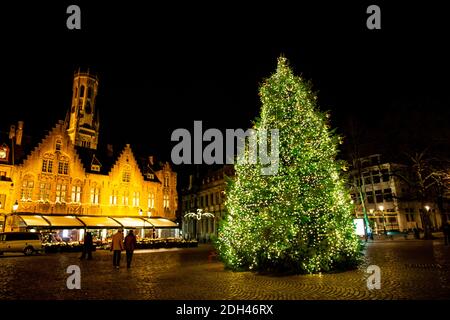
410, 269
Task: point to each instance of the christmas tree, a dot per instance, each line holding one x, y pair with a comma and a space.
299, 219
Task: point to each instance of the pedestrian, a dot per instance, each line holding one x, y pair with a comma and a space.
446, 230
130, 245
117, 247
87, 247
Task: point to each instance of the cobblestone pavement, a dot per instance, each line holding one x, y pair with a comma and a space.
410, 269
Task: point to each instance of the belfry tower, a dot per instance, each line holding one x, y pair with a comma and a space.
83, 126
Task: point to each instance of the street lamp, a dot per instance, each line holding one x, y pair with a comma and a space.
428, 215
15, 206
384, 222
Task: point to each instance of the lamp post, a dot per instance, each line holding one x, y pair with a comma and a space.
428, 215
384, 222
15, 206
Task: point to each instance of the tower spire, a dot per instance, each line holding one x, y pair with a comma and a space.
83, 128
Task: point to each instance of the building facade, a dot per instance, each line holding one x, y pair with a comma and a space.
386, 197
68, 172
203, 203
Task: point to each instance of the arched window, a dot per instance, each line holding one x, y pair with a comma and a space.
76, 192
81, 91
166, 201
151, 200
95, 194
89, 93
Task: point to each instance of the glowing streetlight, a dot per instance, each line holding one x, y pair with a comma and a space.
15, 206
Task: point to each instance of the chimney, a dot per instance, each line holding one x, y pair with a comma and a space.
19, 133
109, 150
150, 160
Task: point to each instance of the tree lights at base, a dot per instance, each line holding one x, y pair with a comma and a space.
301, 218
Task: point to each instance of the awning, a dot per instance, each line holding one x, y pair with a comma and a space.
63, 221
132, 222
162, 223
34, 221
99, 222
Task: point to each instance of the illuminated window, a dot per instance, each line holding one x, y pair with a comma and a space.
27, 190
113, 197
63, 167
76, 194
136, 196
151, 201
95, 167
95, 193
166, 201
61, 193
44, 191
166, 181
125, 198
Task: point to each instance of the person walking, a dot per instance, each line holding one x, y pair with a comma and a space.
446, 230
87, 247
130, 245
117, 247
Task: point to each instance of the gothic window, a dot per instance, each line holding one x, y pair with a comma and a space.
136, 199
166, 201
166, 181
151, 200
76, 194
125, 198
113, 197
44, 191
81, 91
95, 195
61, 192
27, 189
88, 108
89, 93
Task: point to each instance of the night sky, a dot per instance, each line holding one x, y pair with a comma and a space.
163, 66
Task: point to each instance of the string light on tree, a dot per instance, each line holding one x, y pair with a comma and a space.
300, 219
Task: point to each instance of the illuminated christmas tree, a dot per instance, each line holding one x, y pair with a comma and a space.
299, 219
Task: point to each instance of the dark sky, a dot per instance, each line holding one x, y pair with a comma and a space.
163, 66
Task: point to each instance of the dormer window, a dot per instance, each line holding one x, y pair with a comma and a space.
95, 167
58, 145
150, 176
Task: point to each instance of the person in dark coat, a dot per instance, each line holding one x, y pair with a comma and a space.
130, 245
87, 247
